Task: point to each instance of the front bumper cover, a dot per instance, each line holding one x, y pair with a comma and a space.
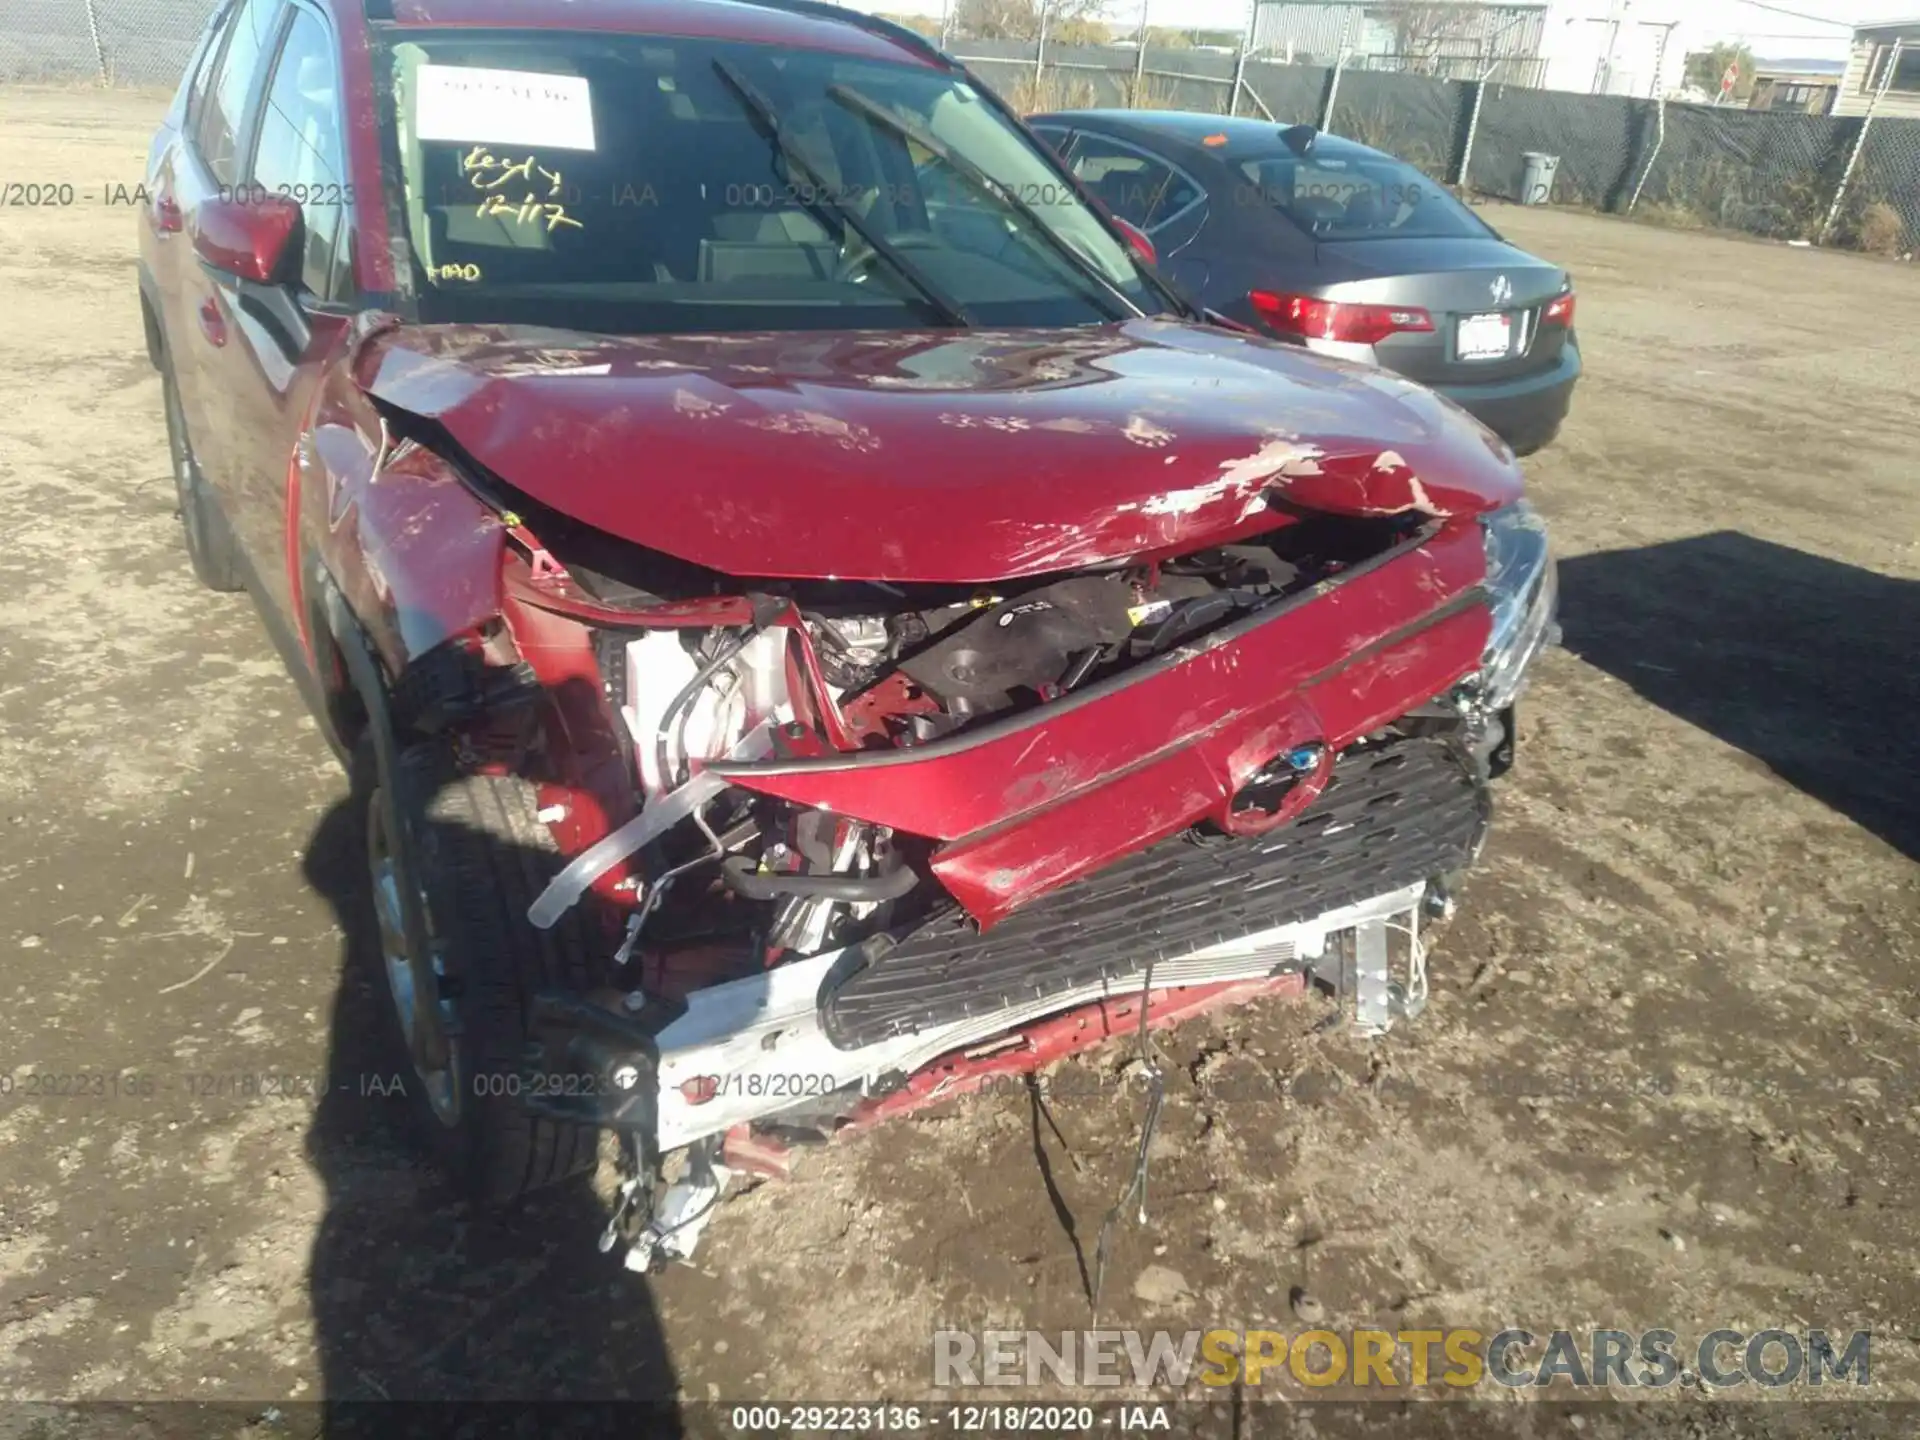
833, 1030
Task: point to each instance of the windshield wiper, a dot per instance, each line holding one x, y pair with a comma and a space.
824, 198
981, 180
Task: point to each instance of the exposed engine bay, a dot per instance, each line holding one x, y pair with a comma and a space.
902, 667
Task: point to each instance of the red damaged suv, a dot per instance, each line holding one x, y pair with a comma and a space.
812, 620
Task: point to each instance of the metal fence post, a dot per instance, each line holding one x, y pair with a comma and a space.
1339, 64
1659, 86
1659, 139
1040, 53
99, 52
1240, 59
1473, 127
1860, 143
1139, 58
1659, 114
946, 24
1494, 62
1253, 94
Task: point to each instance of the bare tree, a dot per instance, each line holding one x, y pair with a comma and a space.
1427, 31
928, 26
1072, 22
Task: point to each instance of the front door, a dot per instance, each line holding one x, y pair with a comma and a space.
269, 375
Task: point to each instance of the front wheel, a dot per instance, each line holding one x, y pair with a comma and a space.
454, 861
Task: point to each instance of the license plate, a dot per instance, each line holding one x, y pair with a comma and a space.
1484, 337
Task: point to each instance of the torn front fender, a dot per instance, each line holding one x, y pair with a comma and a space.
416, 554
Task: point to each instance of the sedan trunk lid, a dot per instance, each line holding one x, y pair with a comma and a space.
1463, 284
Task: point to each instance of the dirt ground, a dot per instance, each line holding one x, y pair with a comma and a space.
1666, 1078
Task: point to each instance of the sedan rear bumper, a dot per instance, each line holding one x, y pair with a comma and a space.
1526, 413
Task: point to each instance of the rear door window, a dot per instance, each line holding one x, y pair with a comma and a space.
217, 129
1140, 188
300, 154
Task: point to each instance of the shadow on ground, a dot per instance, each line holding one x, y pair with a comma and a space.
416, 1295
1807, 664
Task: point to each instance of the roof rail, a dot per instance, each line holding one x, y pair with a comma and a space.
872, 24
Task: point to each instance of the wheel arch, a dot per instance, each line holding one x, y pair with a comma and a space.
151, 327
354, 688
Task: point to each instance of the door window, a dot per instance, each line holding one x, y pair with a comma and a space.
206, 61
1141, 190
1054, 136
217, 131
300, 154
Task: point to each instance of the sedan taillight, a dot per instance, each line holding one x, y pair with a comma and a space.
1314, 319
1559, 311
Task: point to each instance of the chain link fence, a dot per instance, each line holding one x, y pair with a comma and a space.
1780, 175
1595, 136
1771, 173
118, 42
1880, 210
1775, 174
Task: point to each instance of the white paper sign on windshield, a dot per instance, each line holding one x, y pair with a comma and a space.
503, 107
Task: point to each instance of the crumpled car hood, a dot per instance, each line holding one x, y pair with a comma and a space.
935, 456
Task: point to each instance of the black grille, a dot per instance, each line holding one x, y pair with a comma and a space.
1392, 814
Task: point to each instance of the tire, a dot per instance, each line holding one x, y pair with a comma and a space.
210, 546
1534, 444
480, 856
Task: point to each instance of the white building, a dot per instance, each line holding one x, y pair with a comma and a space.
1591, 46
1614, 47
1446, 39
1885, 59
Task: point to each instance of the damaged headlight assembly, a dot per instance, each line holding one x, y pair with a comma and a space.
1523, 590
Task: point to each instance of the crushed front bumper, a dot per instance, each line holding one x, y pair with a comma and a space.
850, 1024
753, 1048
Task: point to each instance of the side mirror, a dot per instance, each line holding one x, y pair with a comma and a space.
246, 234
1137, 238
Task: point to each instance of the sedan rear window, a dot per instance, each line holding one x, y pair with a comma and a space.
1356, 197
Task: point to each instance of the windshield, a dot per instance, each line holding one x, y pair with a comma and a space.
640, 184
1357, 196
